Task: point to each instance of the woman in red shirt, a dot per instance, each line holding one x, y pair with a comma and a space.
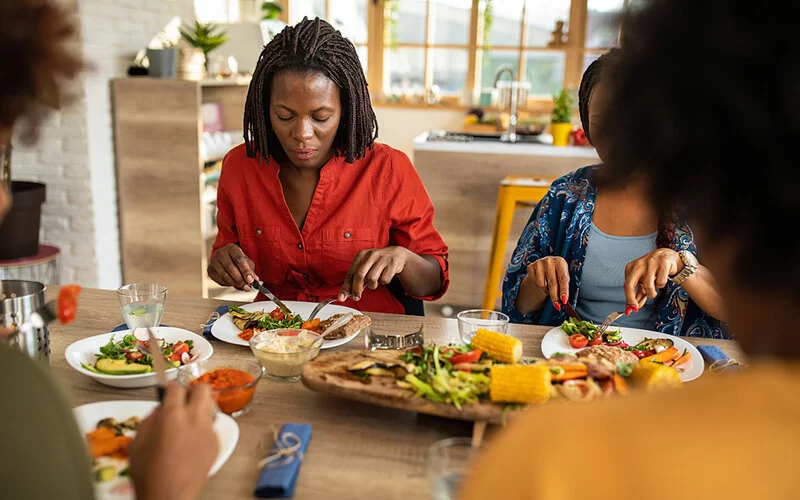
310, 204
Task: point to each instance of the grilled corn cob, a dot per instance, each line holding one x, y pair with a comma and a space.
648, 375
500, 347
520, 384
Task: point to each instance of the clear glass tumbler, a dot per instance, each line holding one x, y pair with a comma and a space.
447, 466
142, 304
470, 321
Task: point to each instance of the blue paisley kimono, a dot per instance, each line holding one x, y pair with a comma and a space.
559, 226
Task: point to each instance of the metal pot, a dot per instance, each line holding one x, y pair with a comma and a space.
18, 301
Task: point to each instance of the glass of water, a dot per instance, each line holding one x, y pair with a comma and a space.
142, 304
447, 467
470, 321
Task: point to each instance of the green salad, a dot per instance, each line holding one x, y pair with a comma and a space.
262, 320
124, 357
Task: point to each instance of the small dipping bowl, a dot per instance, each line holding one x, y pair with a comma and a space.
233, 382
285, 352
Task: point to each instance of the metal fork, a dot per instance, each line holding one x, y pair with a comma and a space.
319, 308
613, 317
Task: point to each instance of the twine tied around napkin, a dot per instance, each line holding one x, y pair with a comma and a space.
722, 365
211, 319
287, 449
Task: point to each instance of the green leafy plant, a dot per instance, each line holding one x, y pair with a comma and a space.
562, 107
204, 36
488, 20
391, 15
270, 10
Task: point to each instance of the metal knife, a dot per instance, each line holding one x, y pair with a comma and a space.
261, 288
571, 311
159, 363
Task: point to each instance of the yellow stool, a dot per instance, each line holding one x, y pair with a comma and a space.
515, 191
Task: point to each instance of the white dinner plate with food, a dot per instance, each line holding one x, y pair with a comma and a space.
127, 372
108, 482
557, 341
225, 330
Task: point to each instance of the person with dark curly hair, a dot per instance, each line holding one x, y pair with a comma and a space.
605, 247
44, 454
704, 107
310, 203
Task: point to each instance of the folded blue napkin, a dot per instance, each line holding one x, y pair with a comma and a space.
714, 355
278, 478
207, 329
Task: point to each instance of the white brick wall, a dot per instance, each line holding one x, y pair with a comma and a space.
75, 156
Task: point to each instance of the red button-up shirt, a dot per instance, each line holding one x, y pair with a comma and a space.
376, 202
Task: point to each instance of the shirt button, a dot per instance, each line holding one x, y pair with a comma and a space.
347, 235
299, 246
305, 276
258, 232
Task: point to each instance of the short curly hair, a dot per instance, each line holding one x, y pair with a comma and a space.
38, 55
707, 105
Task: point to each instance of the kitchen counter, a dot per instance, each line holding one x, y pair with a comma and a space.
462, 179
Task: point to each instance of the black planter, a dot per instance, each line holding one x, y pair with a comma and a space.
19, 232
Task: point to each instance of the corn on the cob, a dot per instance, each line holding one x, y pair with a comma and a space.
500, 347
648, 375
520, 383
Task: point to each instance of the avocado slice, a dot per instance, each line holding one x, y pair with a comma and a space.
121, 367
90, 368
105, 474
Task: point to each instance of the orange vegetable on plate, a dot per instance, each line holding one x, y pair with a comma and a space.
569, 372
683, 358
104, 442
663, 356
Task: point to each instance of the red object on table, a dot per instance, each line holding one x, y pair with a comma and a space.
375, 202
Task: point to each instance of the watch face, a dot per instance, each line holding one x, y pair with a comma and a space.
689, 259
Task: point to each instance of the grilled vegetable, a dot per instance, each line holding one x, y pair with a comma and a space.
520, 383
653, 344
569, 371
649, 375
498, 346
380, 369
663, 356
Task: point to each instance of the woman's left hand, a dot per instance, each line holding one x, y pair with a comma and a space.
649, 273
372, 268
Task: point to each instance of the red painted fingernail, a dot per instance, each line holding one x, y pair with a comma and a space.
628, 310
557, 306
563, 298
636, 309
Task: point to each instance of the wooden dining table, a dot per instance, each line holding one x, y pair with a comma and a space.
356, 450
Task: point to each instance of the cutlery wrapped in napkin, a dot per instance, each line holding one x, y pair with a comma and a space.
282, 465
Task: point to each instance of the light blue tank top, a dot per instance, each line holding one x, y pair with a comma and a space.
604, 276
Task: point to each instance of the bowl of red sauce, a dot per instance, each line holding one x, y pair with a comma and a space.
233, 383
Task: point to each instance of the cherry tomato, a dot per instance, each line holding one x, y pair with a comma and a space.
468, 357
417, 349
67, 303
597, 340
644, 354
133, 356
578, 340
277, 314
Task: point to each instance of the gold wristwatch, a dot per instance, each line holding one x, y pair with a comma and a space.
690, 265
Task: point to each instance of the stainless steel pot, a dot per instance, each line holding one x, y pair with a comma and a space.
18, 300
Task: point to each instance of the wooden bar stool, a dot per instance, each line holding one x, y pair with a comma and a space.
515, 191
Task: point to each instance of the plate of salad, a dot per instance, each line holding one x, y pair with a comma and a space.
574, 335
115, 359
241, 322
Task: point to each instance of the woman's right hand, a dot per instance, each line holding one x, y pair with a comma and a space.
231, 267
547, 277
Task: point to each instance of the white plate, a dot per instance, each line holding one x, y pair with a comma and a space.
556, 341
85, 350
88, 415
226, 331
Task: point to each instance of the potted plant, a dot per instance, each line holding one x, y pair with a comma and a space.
560, 125
163, 60
19, 232
270, 11
203, 38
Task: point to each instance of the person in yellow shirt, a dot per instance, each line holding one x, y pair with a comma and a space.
705, 108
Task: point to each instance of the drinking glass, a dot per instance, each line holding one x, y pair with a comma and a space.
447, 466
142, 304
470, 321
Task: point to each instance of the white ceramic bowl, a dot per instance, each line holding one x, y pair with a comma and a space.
83, 351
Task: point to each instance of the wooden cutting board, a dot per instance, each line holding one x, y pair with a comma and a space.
328, 374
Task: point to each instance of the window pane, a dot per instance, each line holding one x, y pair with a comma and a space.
589, 59
362, 56
301, 8
403, 69
406, 21
541, 18
545, 72
451, 20
602, 26
492, 60
506, 22
350, 17
449, 70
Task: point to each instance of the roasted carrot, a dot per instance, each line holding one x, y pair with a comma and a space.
621, 385
663, 356
570, 372
683, 358
115, 446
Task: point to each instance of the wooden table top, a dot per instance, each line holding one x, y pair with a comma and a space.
356, 450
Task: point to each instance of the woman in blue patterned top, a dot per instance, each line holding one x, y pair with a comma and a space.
603, 247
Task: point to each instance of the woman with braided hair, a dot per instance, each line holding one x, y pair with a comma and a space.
310, 203
605, 248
